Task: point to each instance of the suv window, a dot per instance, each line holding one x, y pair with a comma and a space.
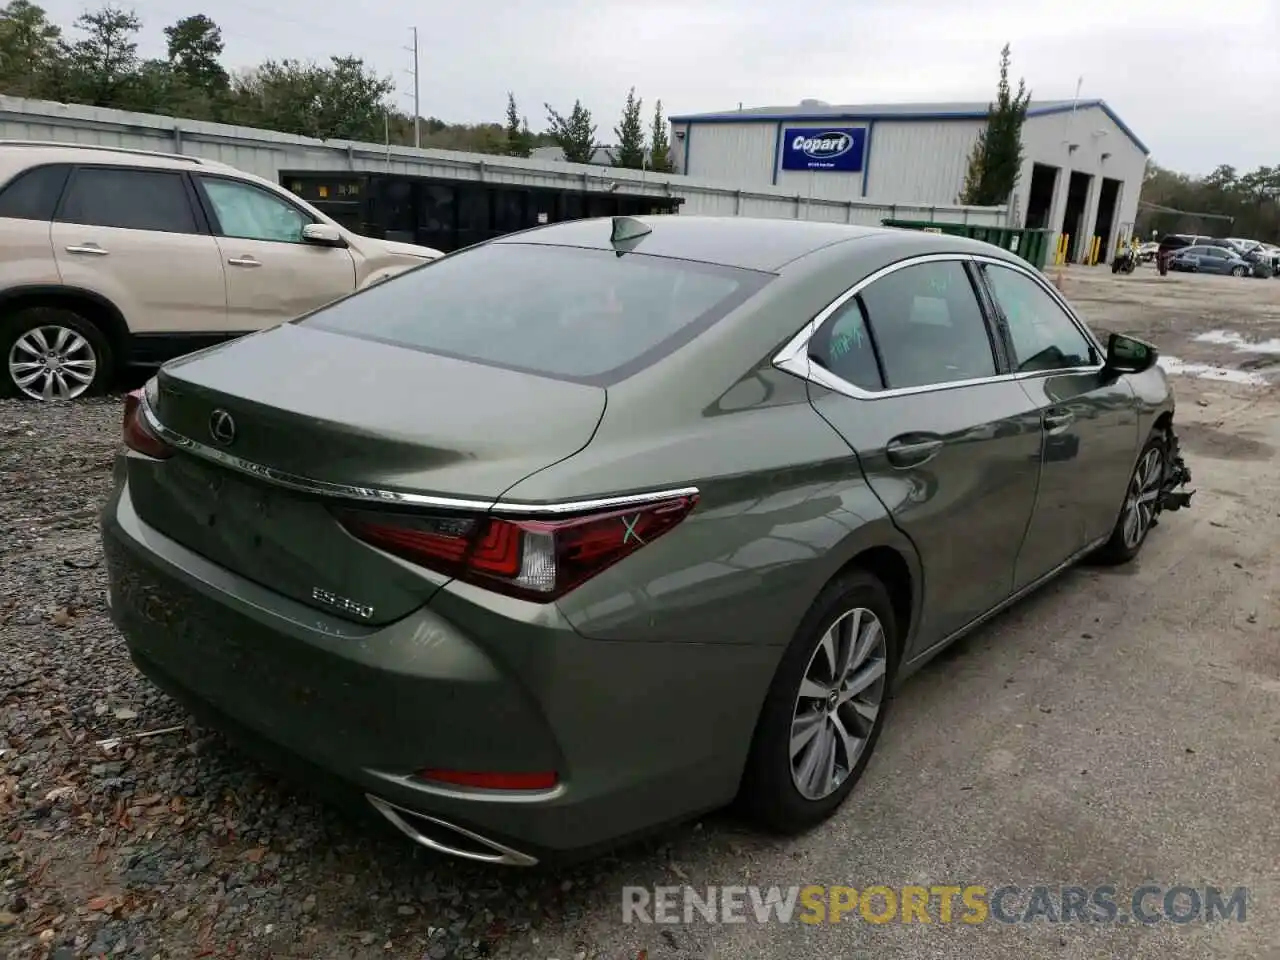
928, 326
130, 199
33, 194
248, 212
1044, 337
585, 315
843, 345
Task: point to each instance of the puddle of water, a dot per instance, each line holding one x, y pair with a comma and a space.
1206, 371
1228, 338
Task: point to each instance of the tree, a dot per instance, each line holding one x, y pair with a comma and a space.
995, 162
659, 144
103, 66
630, 135
518, 137
576, 136
29, 48
344, 101
194, 45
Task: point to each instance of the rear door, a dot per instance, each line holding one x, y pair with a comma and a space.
136, 237
1090, 421
949, 443
273, 275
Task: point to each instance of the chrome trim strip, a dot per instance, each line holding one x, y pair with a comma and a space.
793, 357
517, 797
502, 854
382, 495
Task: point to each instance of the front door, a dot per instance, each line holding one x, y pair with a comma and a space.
1089, 421
273, 275
134, 236
949, 446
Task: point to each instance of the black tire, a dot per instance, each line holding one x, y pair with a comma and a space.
1118, 549
21, 322
768, 793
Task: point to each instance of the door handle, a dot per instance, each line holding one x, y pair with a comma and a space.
1057, 419
244, 262
912, 451
92, 249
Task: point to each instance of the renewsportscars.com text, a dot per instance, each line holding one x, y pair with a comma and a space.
938, 903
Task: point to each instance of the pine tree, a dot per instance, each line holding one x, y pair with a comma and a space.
995, 162
575, 135
519, 142
659, 143
630, 135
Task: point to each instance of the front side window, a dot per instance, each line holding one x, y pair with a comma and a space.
129, 199
1044, 337
247, 212
585, 315
928, 326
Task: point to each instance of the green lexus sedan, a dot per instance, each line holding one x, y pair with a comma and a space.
596, 527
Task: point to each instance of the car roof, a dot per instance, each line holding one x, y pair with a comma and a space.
749, 243
18, 155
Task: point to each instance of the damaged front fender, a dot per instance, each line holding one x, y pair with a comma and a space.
1177, 476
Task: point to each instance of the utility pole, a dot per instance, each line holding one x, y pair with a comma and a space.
417, 130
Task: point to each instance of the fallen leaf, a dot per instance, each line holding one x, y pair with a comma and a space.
62, 617
124, 713
98, 904
256, 854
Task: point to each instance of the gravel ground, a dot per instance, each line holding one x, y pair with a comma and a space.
127, 831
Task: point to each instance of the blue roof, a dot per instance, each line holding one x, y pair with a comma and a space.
814, 110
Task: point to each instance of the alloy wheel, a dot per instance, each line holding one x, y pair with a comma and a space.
52, 362
840, 698
1144, 492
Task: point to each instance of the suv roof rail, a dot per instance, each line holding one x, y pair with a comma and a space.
102, 148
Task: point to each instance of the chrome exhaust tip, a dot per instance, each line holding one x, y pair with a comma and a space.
447, 838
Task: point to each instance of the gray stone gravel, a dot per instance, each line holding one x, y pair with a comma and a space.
176, 845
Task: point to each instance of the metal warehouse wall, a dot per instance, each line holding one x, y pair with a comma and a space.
908, 161
1046, 140
266, 153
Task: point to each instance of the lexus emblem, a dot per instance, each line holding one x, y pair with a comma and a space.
222, 428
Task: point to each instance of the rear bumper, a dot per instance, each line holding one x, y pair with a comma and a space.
640, 734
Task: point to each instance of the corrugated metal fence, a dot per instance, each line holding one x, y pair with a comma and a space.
266, 153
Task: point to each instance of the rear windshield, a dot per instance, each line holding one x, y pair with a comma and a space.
585, 315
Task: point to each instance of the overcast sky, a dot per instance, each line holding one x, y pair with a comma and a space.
1199, 82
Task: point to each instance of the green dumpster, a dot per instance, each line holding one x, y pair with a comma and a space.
1031, 245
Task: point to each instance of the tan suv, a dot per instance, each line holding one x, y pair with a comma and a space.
117, 257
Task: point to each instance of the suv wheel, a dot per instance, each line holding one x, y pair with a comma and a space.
1237, 271
51, 353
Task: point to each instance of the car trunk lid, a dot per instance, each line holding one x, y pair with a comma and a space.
281, 425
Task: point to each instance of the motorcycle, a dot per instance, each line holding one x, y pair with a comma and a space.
1125, 262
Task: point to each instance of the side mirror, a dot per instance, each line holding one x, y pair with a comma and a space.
1129, 355
323, 235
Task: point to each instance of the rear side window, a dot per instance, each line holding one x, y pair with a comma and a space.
585, 315
929, 326
130, 199
33, 194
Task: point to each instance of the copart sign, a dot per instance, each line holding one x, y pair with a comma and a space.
816, 148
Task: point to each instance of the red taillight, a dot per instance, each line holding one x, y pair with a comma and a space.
537, 560
137, 435
491, 781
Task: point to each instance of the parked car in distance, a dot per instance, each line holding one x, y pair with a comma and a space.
115, 257
1147, 251
594, 527
1205, 259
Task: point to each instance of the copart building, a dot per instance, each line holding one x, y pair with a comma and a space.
1081, 174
